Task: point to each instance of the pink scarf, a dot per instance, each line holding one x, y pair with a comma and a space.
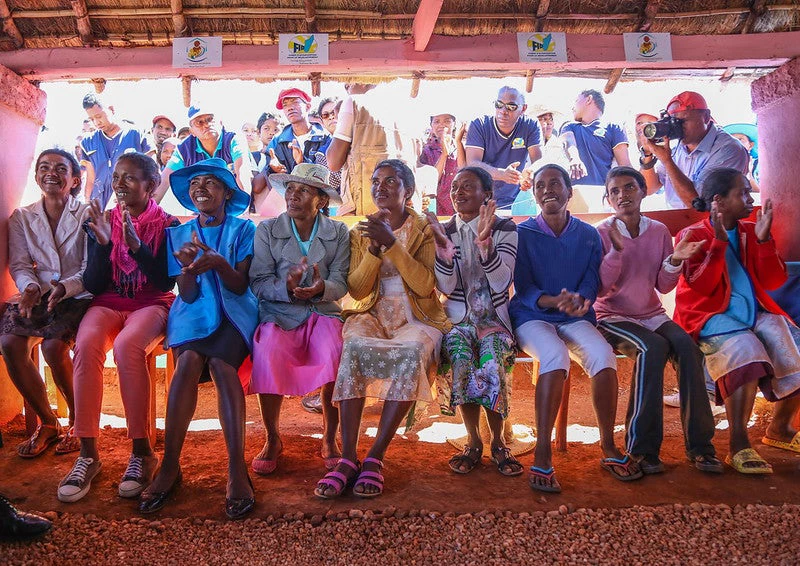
150, 225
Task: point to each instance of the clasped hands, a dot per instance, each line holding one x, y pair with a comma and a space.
295, 276
191, 264
376, 227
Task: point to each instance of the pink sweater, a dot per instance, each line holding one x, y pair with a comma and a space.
629, 279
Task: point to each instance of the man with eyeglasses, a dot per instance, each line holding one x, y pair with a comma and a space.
593, 144
208, 139
300, 140
505, 145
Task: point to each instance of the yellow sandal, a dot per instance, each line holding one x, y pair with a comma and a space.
740, 461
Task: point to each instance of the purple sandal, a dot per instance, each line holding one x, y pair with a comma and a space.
337, 480
374, 479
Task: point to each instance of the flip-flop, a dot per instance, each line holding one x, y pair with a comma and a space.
38, 445
615, 465
748, 456
549, 475
368, 477
793, 445
337, 480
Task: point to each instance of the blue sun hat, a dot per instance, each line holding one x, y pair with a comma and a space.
179, 182
750, 131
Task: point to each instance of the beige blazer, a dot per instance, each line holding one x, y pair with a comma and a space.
35, 255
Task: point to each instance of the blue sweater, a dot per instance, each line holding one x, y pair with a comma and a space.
547, 264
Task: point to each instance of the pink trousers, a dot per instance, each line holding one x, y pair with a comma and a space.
133, 335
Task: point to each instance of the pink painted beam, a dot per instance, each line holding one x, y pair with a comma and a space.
424, 22
386, 57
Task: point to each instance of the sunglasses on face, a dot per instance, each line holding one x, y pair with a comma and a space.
510, 106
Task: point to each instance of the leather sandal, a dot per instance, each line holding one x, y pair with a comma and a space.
37, 445
470, 456
503, 458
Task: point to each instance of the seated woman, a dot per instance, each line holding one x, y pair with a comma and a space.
210, 324
556, 280
639, 260
47, 255
299, 274
393, 332
126, 270
722, 302
475, 254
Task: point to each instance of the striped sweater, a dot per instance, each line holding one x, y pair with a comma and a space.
498, 267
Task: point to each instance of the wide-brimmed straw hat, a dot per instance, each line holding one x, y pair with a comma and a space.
310, 174
179, 181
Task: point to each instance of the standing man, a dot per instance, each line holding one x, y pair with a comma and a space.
592, 143
163, 128
300, 140
703, 146
208, 139
102, 148
506, 145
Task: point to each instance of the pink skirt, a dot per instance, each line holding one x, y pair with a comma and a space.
296, 362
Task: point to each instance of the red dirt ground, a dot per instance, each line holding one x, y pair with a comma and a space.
417, 476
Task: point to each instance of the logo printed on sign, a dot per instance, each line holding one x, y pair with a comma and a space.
518, 143
303, 49
303, 44
647, 47
541, 43
189, 52
197, 51
548, 47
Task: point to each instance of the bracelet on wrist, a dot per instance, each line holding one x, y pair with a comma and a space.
648, 164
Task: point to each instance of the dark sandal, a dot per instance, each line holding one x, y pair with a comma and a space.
38, 445
337, 480
239, 507
502, 456
649, 464
69, 443
549, 475
623, 469
708, 463
470, 456
368, 477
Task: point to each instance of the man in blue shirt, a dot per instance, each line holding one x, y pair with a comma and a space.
592, 143
506, 145
704, 146
103, 147
208, 139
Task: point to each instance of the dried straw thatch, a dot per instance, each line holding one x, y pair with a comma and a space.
53, 23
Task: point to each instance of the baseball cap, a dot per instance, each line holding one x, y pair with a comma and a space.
165, 117
292, 92
687, 100
198, 110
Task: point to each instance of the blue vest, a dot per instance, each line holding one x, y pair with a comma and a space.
197, 320
191, 155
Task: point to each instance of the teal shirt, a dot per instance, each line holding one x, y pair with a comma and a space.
742, 308
305, 245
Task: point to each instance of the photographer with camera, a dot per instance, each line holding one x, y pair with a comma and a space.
702, 146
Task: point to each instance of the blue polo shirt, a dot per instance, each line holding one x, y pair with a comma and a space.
596, 142
717, 149
501, 151
102, 152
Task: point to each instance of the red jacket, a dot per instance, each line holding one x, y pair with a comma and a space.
705, 286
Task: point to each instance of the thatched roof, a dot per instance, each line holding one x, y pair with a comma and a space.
121, 23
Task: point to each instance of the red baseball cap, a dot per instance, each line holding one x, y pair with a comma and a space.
291, 92
164, 117
686, 101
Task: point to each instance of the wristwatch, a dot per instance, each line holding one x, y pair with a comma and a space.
649, 164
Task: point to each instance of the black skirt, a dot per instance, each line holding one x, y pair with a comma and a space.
225, 343
60, 324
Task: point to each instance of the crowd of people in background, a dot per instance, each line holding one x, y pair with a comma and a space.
444, 289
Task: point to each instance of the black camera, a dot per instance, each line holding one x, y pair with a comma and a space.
667, 127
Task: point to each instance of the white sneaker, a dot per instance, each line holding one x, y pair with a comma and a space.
79, 480
138, 475
672, 400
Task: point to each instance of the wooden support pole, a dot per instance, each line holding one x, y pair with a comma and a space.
649, 12
311, 16
186, 87
418, 76
9, 26
757, 9
613, 79
529, 81
178, 19
316, 83
82, 19
99, 85
424, 22
541, 14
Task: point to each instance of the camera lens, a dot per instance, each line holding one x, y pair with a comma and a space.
650, 130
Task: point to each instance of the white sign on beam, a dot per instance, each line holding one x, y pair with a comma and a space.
545, 47
194, 52
647, 47
303, 49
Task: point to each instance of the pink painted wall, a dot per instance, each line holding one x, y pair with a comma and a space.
776, 102
22, 111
